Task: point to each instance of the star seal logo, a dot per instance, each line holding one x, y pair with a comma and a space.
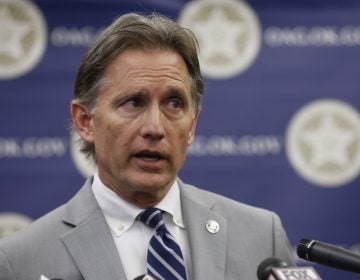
12, 222
23, 37
323, 143
228, 33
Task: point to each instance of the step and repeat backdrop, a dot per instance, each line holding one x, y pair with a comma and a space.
280, 124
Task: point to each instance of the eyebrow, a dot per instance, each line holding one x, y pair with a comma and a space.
123, 96
173, 90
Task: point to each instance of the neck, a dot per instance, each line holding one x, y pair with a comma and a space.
142, 199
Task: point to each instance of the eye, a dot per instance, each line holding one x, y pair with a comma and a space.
176, 103
133, 102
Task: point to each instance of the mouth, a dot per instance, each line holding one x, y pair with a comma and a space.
150, 156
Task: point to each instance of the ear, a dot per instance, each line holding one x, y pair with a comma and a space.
83, 121
193, 128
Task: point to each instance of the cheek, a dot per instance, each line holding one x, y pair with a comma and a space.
184, 136
106, 132
110, 131
107, 136
121, 135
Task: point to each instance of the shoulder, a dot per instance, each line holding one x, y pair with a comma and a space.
234, 211
55, 223
22, 252
35, 249
217, 201
48, 225
257, 227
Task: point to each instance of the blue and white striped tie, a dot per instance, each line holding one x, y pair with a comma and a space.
164, 257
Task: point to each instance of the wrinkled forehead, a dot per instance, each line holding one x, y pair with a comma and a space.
132, 65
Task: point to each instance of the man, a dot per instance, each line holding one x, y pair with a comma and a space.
137, 100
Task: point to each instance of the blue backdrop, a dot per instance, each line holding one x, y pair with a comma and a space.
280, 125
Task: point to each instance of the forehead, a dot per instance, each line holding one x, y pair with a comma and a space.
148, 66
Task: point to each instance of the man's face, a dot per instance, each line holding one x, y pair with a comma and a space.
143, 123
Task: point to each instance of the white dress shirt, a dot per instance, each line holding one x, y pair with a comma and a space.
130, 235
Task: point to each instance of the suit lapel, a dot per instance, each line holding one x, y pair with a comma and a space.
93, 250
90, 242
208, 250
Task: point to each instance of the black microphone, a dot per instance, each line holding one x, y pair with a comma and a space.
275, 269
146, 277
265, 267
327, 254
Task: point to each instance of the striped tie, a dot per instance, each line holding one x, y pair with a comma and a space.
164, 257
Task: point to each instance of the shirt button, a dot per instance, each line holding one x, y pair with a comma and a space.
120, 227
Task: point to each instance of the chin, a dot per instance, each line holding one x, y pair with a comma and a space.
153, 185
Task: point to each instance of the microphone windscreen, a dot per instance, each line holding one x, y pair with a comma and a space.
302, 250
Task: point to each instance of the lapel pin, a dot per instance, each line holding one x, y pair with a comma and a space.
212, 226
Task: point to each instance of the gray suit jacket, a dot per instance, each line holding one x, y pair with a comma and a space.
73, 242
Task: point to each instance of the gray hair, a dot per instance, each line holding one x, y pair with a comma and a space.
135, 31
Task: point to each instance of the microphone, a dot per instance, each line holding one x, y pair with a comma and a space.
146, 277
329, 255
276, 269
265, 267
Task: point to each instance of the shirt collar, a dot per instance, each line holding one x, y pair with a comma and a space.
171, 204
120, 214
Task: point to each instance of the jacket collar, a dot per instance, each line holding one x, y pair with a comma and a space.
207, 246
89, 242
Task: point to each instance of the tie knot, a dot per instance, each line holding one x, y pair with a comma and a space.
152, 217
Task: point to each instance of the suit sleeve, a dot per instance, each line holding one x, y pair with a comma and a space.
6, 273
282, 246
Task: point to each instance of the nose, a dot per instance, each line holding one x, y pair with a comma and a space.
153, 126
